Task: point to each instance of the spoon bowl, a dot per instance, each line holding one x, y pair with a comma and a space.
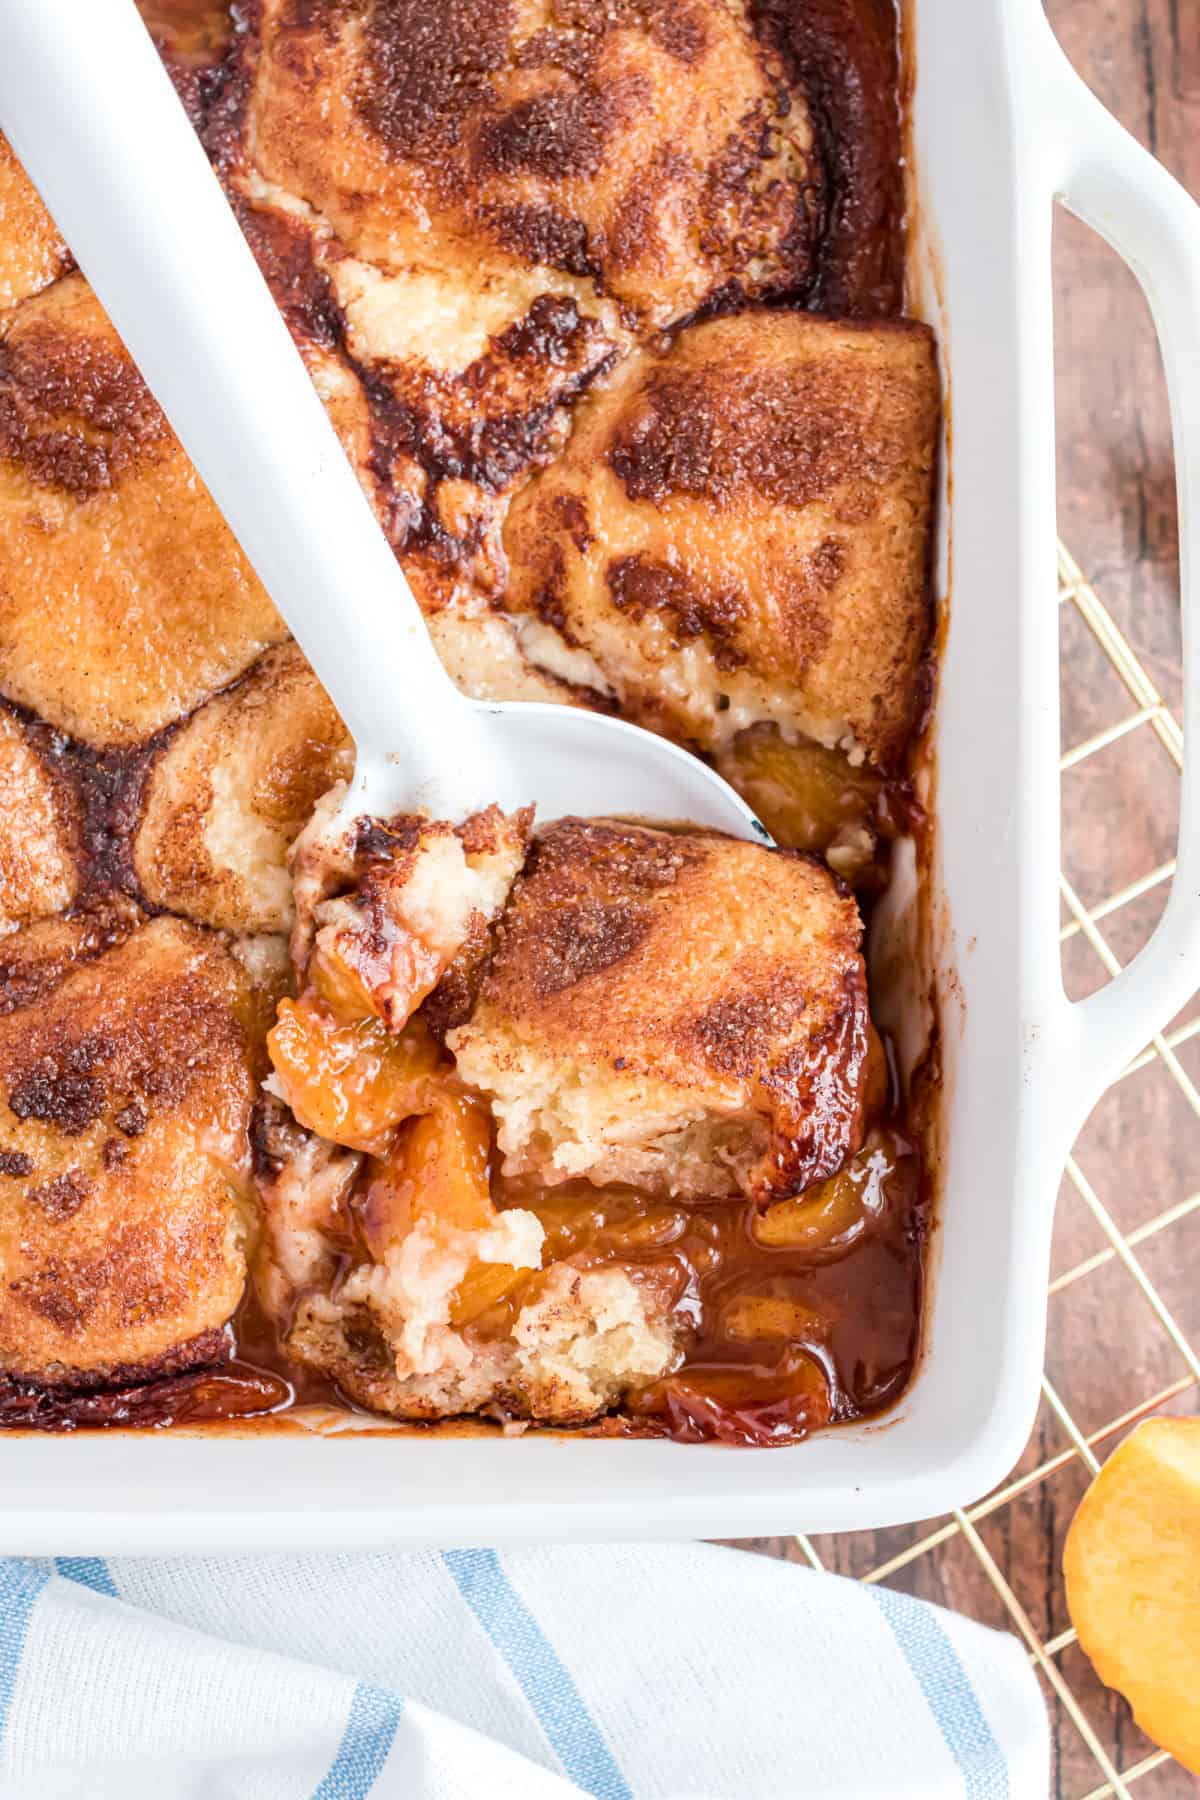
91, 113
561, 758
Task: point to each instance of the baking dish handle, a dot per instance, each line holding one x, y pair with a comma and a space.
1108, 180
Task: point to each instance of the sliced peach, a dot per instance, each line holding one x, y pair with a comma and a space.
437, 1173
579, 1217
383, 1205
436, 1170
877, 1079
340, 986
446, 1155
483, 1286
360, 977
804, 794
766, 1315
828, 1218
1132, 1569
351, 1083
741, 1404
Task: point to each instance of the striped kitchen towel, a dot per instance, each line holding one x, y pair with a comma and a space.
618, 1671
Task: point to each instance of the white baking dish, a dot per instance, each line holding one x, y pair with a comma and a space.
1001, 126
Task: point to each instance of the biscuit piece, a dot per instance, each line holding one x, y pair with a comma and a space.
38, 831
678, 1011
394, 1328
127, 1082
385, 906
574, 1352
124, 599
738, 531
36, 960
653, 148
230, 792
32, 254
490, 201
462, 398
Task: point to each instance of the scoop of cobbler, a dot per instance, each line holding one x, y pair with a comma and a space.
484, 1015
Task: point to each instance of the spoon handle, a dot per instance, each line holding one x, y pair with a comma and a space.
90, 111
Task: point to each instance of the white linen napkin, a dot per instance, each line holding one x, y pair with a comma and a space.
627, 1672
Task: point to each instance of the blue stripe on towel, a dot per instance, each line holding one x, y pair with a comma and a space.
89, 1571
368, 1737
570, 1730
948, 1693
20, 1585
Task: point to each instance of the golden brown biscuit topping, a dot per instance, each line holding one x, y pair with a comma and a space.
126, 1076
523, 246
738, 533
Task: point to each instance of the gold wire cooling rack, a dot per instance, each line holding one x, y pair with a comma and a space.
1100, 1752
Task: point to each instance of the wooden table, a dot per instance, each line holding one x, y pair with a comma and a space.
1110, 1353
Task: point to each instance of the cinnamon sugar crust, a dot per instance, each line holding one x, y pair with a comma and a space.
653, 147
671, 1009
124, 599
127, 1076
497, 201
739, 530
844, 56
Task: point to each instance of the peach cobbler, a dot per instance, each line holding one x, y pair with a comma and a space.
579, 1122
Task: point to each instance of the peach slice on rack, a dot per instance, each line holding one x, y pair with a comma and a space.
1132, 1569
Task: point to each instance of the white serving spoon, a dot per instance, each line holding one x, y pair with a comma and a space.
91, 113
